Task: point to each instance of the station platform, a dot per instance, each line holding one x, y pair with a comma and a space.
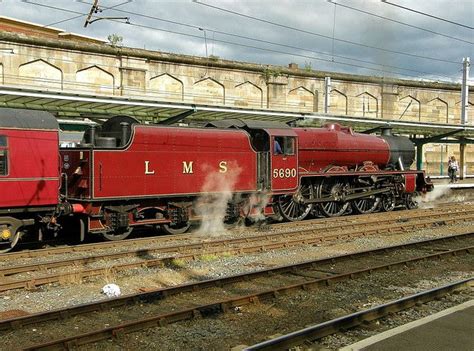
466, 183
451, 329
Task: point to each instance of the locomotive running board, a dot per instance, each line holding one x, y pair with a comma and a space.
346, 198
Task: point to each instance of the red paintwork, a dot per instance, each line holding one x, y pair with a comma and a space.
320, 148
410, 183
285, 163
121, 173
33, 166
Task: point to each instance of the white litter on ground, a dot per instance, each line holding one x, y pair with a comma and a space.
111, 290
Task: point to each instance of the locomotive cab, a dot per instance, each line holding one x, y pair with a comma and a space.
277, 157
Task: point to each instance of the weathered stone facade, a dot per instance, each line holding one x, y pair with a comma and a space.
93, 68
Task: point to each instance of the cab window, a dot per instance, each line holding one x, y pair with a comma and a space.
3, 155
284, 146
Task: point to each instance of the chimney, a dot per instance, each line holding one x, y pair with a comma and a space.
293, 66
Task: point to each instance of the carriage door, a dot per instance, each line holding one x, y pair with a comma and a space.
284, 160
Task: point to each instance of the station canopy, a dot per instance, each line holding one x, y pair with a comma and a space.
74, 111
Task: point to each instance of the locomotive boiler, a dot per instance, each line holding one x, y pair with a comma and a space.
125, 174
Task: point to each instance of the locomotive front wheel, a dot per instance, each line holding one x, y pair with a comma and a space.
366, 205
176, 228
292, 207
7, 239
332, 188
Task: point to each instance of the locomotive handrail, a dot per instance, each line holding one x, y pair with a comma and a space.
65, 184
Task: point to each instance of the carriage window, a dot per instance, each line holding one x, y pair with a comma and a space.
284, 146
3, 155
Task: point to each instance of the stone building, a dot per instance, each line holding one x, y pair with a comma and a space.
35, 57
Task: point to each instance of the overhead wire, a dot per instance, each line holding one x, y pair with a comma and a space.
82, 15
238, 44
332, 55
427, 14
401, 23
322, 35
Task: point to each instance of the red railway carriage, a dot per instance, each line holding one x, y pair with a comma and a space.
29, 171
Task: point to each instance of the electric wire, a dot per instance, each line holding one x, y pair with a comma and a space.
84, 14
401, 23
427, 14
332, 55
322, 35
243, 45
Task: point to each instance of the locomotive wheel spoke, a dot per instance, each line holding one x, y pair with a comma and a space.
388, 202
332, 188
366, 205
292, 208
410, 202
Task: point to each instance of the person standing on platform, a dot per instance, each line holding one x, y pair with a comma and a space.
452, 169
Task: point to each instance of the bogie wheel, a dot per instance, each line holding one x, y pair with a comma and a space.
114, 234
388, 202
174, 229
333, 188
8, 243
366, 205
118, 234
292, 207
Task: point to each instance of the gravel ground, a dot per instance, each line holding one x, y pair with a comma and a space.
339, 340
66, 293
265, 319
249, 324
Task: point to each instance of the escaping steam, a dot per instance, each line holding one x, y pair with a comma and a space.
217, 192
255, 206
441, 193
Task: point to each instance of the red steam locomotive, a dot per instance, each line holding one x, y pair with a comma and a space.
125, 174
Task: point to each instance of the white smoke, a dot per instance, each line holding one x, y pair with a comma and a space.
430, 199
211, 206
254, 208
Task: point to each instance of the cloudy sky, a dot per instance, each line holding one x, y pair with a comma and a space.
368, 37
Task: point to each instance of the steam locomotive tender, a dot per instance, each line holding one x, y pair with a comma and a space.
125, 174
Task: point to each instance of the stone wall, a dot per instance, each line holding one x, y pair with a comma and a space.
99, 69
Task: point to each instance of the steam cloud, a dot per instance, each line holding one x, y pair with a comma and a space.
217, 191
441, 194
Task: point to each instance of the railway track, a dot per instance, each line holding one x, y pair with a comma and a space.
310, 334
335, 222
211, 297
33, 275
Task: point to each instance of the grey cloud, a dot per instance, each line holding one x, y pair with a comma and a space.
315, 16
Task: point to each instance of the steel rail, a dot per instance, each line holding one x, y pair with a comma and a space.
355, 319
43, 266
205, 248
160, 294
323, 222
222, 305
203, 244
